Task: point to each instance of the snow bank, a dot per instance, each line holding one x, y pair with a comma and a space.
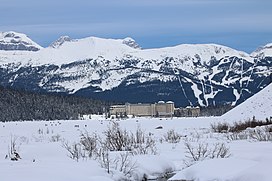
217, 169
153, 166
228, 169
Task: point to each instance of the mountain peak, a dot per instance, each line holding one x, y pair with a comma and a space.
266, 50
60, 41
269, 45
131, 43
17, 41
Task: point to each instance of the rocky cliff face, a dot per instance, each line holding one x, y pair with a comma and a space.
119, 70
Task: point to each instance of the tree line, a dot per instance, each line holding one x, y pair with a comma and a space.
16, 105
217, 110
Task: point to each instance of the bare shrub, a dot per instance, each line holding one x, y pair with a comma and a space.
142, 143
139, 137
114, 149
55, 138
146, 147
203, 151
117, 139
239, 126
219, 150
89, 143
262, 134
220, 127
193, 136
237, 136
13, 149
258, 134
104, 159
251, 123
268, 129
172, 136
123, 163
40, 131
74, 150
195, 153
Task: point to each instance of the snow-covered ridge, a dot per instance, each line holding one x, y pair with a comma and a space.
263, 50
66, 50
70, 65
113, 47
259, 106
17, 41
60, 41
131, 42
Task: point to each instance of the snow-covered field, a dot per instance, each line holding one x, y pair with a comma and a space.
43, 157
187, 147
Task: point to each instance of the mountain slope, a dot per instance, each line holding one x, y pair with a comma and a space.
119, 70
17, 41
259, 105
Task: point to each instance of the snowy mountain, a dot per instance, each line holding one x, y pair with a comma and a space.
259, 105
17, 41
119, 70
263, 51
131, 42
60, 41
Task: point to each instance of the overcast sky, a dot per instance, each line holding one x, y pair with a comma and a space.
240, 24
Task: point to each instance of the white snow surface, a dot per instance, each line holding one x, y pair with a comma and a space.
249, 160
264, 50
60, 41
259, 105
51, 160
231, 169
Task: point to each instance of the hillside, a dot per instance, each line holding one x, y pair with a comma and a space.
259, 105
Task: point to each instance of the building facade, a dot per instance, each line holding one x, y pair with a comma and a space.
160, 109
187, 112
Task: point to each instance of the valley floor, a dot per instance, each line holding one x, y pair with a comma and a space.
44, 157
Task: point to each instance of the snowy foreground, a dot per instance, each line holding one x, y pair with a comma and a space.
44, 158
